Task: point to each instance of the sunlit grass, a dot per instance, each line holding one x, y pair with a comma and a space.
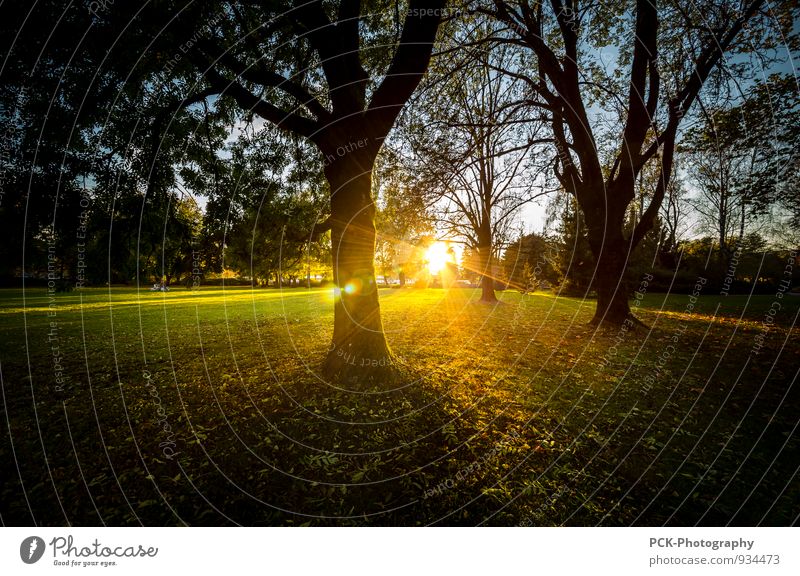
566, 430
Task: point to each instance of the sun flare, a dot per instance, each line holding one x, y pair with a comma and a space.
438, 256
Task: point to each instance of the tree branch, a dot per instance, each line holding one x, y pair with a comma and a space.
287, 120
408, 65
265, 78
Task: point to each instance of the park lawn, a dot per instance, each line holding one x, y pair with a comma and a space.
204, 407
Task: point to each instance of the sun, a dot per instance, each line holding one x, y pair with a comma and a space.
438, 256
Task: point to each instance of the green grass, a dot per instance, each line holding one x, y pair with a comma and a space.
522, 414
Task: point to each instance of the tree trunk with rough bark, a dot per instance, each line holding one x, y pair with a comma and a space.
358, 354
611, 247
487, 289
487, 281
485, 255
610, 282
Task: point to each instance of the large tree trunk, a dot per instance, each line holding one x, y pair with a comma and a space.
612, 289
611, 249
358, 354
485, 254
487, 287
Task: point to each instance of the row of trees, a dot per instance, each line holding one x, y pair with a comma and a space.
279, 115
564, 263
